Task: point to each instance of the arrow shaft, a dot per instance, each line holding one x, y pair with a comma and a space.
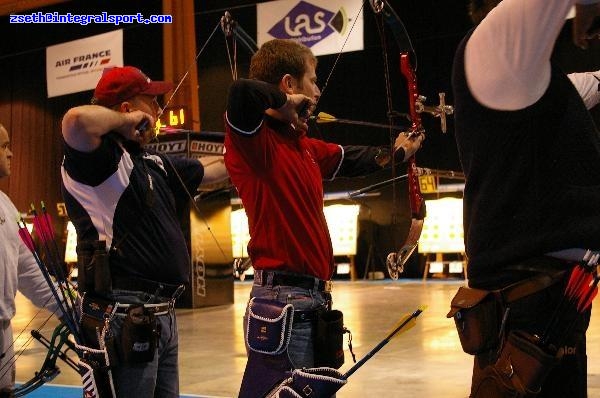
379, 346
321, 119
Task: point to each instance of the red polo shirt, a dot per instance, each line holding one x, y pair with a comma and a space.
278, 175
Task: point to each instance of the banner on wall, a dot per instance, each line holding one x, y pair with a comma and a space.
322, 25
77, 65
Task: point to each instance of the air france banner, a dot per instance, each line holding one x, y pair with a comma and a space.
322, 25
77, 65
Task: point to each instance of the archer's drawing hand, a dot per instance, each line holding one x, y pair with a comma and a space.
297, 110
410, 143
138, 126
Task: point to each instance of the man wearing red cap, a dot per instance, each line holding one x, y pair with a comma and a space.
124, 201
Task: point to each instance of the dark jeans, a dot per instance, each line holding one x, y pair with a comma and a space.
158, 378
300, 348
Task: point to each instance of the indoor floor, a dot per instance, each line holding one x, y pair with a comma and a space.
425, 361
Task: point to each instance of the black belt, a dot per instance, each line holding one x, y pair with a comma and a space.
261, 278
156, 309
147, 286
305, 316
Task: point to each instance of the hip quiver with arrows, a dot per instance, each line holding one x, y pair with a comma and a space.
518, 363
98, 351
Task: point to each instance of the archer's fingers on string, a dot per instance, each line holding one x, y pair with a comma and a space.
306, 108
311, 109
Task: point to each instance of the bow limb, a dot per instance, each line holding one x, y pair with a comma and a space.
57, 346
395, 24
231, 28
10, 361
66, 306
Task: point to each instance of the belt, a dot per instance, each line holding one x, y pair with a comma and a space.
147, 286
305, 316
262, 278
156, 309
530, 286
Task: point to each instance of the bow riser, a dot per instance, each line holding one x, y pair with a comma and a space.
417, 204
413, 93
395, 261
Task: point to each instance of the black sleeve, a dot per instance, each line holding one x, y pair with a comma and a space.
361, 160
248, 100
92, 168
184, 174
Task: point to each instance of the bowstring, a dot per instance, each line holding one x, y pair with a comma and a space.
234, 76
17, 353
379, 23
187, 71
155, 139
233, 61
339, 54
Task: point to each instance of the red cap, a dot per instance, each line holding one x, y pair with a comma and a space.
119, 84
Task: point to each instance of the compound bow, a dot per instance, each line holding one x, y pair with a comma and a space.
58, 347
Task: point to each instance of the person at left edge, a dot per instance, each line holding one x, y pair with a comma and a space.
18, 270
117, 191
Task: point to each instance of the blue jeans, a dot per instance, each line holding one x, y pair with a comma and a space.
300, 348
160, 377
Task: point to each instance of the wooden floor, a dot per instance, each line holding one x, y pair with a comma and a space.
426, 361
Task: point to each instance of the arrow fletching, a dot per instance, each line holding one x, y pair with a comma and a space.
575, 281
582, 287
323, 117
25, 235
47, 221
406, 323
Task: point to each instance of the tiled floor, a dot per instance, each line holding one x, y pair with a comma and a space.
426, 361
